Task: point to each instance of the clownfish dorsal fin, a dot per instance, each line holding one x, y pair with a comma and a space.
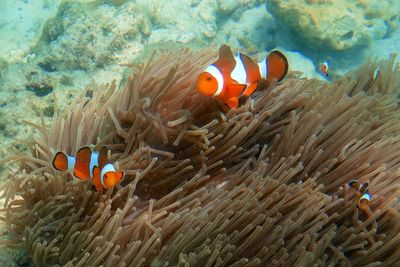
226, 61
277, 66
82, 163
103, 159
60, 161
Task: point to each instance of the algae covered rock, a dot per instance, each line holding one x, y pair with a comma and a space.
88, 36
340, 24
253, 29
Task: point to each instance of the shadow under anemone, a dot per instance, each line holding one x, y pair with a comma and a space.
208, 186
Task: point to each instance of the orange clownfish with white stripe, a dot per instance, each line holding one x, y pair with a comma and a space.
89, 164
231, 77
365, 197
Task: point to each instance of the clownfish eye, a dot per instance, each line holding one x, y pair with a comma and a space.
209, 78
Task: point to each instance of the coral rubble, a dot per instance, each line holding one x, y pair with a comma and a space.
208, 186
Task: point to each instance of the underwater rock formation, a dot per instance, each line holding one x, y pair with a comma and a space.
338, 24
88, 36
209, 186
99, 34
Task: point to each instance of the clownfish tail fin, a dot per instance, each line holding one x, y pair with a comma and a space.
60, 161
120, 175
277, 66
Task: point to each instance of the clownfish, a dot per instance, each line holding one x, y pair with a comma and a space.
324, 68
89, 164
376, 73
363, 201
231, 77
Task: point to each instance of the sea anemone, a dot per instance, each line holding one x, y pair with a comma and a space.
210, 186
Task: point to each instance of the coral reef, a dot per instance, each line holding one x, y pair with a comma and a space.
89, 36
338, 24
98, 34
208, 186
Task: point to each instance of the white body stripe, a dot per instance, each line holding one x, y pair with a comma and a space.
107, 168
216, 73
262, 65
71, 163
239, 72
366, 196
94, 161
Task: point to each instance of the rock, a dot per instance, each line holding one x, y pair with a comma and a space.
40, 84
251, 32
88, 36
337, 24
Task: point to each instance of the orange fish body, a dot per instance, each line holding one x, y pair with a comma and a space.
365, 197
231, 77
89, 164
363, 203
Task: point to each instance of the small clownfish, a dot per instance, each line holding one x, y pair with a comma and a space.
89, 164
231, 77
324, 68
376, 73
364, 200
363, 203
360, 187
